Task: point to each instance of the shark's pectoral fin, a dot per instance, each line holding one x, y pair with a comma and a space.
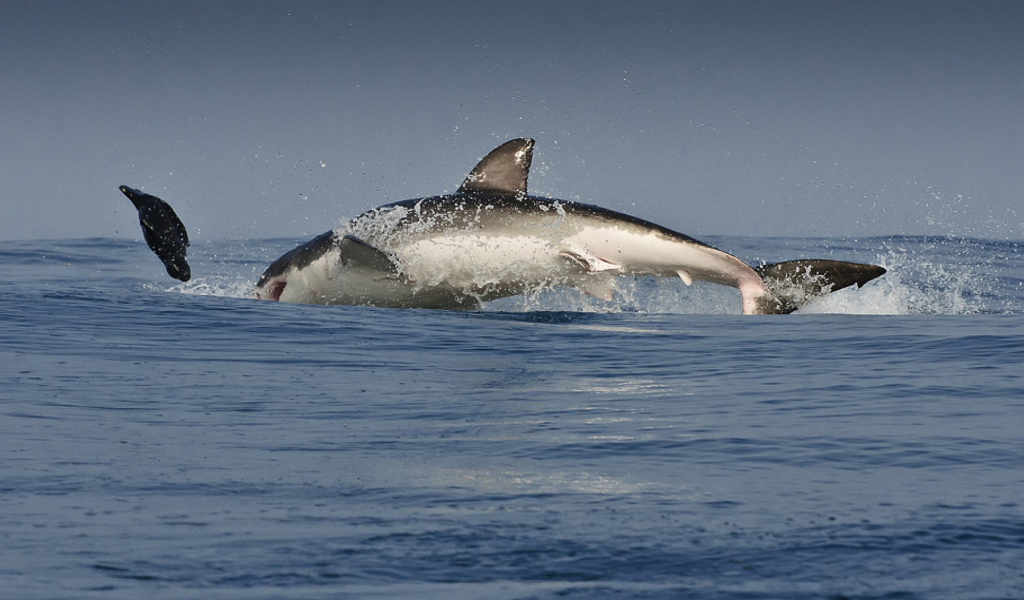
598, 277
357, 254
601, 286
589, 262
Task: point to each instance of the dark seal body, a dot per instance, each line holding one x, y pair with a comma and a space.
163, 230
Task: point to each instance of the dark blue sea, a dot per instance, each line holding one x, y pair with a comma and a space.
179, 441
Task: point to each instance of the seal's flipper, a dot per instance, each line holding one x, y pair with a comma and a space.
357, 254
177, 267
503, 171
796, 283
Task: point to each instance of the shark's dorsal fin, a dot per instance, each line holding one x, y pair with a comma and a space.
358, 254
503, 171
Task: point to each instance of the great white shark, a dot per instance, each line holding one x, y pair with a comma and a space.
490, 239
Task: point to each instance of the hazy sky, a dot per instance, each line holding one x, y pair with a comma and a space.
281, 119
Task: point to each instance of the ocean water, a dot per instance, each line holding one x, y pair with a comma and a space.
166, 440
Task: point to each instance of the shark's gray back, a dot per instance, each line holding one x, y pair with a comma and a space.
496, 213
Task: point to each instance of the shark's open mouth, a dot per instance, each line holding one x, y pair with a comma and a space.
272, 291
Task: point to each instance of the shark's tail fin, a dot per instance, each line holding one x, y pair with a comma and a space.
796, 283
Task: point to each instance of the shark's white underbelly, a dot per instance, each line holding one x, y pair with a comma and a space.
467, 260
475, 258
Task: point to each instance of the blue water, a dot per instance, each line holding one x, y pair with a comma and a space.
166, 440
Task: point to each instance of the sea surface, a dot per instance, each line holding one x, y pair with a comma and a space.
179, 441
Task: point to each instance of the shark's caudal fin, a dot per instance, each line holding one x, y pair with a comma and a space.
796, 283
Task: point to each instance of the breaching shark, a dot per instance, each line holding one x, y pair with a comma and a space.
491, 240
